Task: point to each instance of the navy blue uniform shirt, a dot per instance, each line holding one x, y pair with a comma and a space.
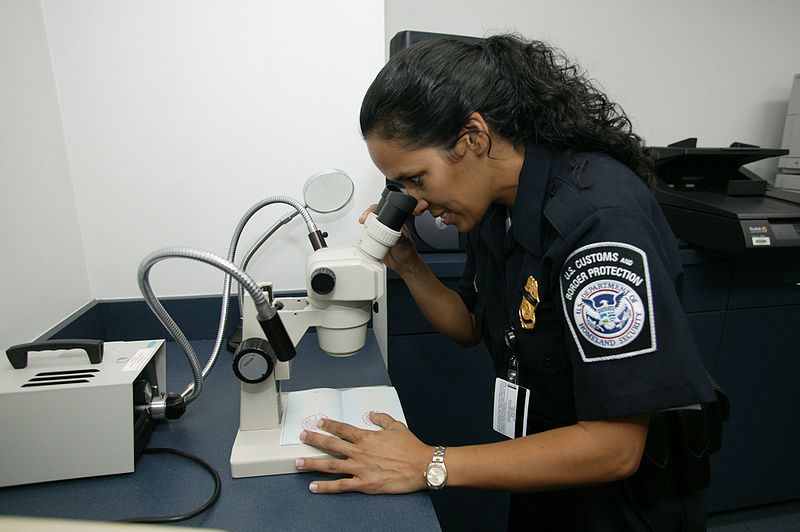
610, 336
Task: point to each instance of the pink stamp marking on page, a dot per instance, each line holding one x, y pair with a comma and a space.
311, 422
367, 421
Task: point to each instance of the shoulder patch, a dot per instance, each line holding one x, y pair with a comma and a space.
608, 302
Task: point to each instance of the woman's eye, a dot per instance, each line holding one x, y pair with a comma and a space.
415, 179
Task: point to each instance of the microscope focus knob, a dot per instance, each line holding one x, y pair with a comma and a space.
323, 280
253, 360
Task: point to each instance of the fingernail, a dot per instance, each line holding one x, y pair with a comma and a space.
320, 422
303, 436
300, 462
313, 487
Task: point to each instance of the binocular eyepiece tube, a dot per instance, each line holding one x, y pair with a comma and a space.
382, 228
394, 207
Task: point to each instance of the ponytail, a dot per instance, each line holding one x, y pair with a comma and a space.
527, 91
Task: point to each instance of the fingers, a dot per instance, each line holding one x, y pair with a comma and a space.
346, 433
334, 486
323, 465
343, 430
326, 443
338, 445
332, 466
373, 461
363, 217
384, 421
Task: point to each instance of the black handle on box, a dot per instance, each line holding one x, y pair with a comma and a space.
18, 354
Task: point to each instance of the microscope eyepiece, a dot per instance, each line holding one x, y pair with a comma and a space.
395, 209
386, 191
382, 230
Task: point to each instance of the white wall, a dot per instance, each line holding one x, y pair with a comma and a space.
43, 274
129, 126
718, 70
177, 117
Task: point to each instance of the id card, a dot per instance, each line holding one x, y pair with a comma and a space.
510, 417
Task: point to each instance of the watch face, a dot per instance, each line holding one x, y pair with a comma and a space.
436, 475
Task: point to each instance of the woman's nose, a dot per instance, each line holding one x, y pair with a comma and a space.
421, 207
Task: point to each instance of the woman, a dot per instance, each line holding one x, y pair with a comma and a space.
570, 281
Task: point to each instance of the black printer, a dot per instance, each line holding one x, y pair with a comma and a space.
711, 202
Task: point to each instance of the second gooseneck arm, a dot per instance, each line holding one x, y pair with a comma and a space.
192, 391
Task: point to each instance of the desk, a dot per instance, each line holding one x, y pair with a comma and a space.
168, 485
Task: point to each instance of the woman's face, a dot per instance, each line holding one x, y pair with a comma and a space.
453, 191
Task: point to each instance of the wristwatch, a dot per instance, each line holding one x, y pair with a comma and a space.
436, 473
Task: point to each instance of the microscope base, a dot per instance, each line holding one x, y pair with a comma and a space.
259, 453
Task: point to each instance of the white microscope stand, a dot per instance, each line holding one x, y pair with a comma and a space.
340, 315
257, 450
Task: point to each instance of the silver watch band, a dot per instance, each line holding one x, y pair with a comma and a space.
438, 455
436, 472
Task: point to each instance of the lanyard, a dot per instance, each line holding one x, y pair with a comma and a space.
509, 335
510, 338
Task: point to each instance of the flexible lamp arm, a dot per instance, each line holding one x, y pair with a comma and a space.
268, 317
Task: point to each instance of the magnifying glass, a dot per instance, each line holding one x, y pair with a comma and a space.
325, 192
328, 191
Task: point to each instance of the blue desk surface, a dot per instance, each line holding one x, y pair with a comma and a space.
168, 485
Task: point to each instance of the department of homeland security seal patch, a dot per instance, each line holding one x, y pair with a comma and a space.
605, 290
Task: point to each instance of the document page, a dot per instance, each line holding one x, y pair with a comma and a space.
305, 408
357, 403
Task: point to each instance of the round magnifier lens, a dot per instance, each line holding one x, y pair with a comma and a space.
328, 191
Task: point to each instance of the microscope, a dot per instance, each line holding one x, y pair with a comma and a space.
342, 283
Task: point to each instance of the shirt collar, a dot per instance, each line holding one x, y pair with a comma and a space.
532, 191
492, 230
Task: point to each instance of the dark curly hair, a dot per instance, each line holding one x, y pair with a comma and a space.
527, 91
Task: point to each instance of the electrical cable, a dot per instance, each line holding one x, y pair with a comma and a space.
175, 518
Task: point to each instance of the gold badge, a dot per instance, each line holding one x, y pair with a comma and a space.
530, 300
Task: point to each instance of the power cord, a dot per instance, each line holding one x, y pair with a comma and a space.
175, 518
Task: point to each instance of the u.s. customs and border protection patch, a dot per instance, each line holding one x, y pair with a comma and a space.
608, 302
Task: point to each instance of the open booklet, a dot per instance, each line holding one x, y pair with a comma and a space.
305, 408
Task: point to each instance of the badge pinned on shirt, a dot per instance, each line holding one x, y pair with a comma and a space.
608, 302
530, 300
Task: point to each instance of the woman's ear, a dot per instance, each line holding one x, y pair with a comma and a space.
475, 134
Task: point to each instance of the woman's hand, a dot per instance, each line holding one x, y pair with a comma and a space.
391, 460
403, 255
363, 217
